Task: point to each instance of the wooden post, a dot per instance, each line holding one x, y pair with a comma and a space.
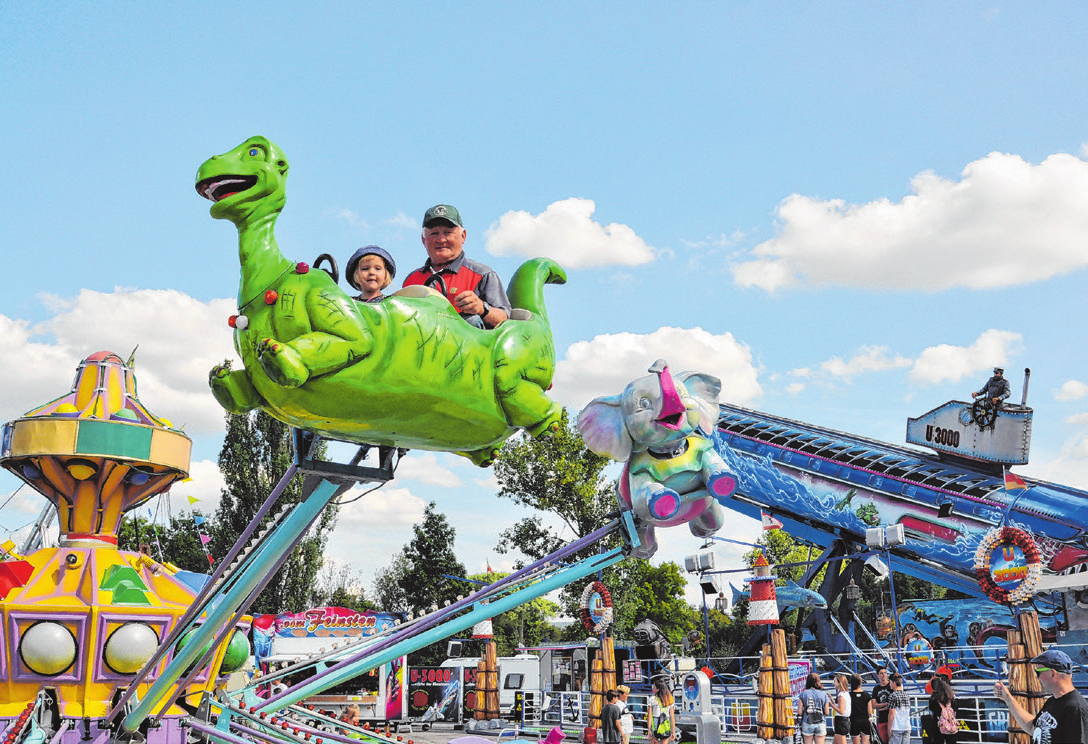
783, 701
596, 691
480, 712
1024, 645
491, 698
608, 654
765, 713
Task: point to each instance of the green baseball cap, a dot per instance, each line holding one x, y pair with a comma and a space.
444, 213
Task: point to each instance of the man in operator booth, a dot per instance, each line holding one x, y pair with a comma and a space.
996, 388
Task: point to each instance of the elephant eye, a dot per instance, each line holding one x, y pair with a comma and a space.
645, 403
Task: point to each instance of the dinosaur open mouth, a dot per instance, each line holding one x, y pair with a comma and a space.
220, 187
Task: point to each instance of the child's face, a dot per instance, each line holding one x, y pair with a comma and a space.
371, 275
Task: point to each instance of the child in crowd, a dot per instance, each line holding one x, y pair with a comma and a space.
370, 270
627, 718
898, 713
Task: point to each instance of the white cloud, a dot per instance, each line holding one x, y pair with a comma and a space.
867, 359
179, 338
425, 467
795, 388
383, 509
566, 232
205, 484
348, 216
947, 363
1077, 419
1071, 390
1005, 222
721, 240
604, 365
402, 223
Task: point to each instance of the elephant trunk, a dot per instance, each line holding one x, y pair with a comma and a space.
672, 408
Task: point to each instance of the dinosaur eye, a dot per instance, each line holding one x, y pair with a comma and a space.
254, 151
645, 403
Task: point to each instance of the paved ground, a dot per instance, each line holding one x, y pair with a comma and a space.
441, 733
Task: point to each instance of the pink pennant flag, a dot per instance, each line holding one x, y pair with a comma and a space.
204, 539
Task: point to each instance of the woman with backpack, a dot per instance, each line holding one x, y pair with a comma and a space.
943, 705
813, 705
662, 714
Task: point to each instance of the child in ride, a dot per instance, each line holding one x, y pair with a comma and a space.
370, 270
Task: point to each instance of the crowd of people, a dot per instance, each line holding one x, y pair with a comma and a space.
1062, 720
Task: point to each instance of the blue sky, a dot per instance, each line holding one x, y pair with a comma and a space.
847, 211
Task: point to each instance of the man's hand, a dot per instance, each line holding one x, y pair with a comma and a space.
469, 303
974, 395
995, 401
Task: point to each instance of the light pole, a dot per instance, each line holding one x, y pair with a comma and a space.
883, 539
853, 594
700, 563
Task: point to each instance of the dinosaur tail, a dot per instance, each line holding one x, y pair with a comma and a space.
526, 288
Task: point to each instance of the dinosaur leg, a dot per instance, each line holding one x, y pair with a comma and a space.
482, 457
281, 363
310, 355
523, 372
233, 390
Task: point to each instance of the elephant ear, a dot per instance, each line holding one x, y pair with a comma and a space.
705, 390
602, 427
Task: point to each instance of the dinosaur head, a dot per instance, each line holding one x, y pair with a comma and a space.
247, 184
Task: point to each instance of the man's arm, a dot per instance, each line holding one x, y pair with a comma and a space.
1023, 718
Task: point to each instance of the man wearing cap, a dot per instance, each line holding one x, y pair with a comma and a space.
996, 388
1064, 717
474, 289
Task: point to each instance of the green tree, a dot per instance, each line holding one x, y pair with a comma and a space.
557, 475
338, 585
177, 544
388, 591
417, 578
528, 624
647, 592
256, 452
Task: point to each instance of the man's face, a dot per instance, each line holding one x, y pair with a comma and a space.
444, 243
1047, 678
882, 676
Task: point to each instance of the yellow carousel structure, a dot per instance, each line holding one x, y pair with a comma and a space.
82, 619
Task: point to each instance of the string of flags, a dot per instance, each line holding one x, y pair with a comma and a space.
199, 521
